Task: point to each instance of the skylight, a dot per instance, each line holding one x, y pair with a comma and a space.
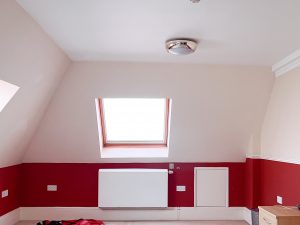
134, 121
7, 91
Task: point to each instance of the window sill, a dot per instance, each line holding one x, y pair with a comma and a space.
109, 152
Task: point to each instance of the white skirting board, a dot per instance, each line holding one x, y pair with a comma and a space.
10, 218
247, 215
183, 213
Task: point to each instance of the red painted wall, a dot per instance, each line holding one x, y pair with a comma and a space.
77, 183
256, 182
252, 183
279, 178
10, 179
265, 179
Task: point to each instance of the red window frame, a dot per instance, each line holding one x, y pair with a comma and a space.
134, 144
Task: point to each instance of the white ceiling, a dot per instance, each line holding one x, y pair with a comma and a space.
252, 32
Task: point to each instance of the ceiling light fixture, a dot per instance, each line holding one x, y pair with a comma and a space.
181, 46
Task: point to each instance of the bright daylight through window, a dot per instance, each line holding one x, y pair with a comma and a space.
134, 122
7, 91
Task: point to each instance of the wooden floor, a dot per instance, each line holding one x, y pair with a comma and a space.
161, 223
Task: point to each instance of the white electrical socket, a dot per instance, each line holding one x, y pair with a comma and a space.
279, 200
4, 193
180, 188
51, 187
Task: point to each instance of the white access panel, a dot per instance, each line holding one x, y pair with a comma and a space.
211, 186
133, 188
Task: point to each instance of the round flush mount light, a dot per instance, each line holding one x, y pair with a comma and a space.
181, 46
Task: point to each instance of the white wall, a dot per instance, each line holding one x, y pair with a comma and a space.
281, 129
30, 60
217, 111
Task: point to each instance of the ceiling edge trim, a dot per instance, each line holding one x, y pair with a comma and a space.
288, 63
253, 156
279, 159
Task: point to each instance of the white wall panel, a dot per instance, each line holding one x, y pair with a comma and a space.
211, 186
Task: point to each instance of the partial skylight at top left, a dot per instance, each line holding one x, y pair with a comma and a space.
7, 91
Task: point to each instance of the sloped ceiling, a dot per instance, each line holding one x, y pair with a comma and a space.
217, 111
32, 61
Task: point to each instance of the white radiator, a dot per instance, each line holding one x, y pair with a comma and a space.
133, 188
